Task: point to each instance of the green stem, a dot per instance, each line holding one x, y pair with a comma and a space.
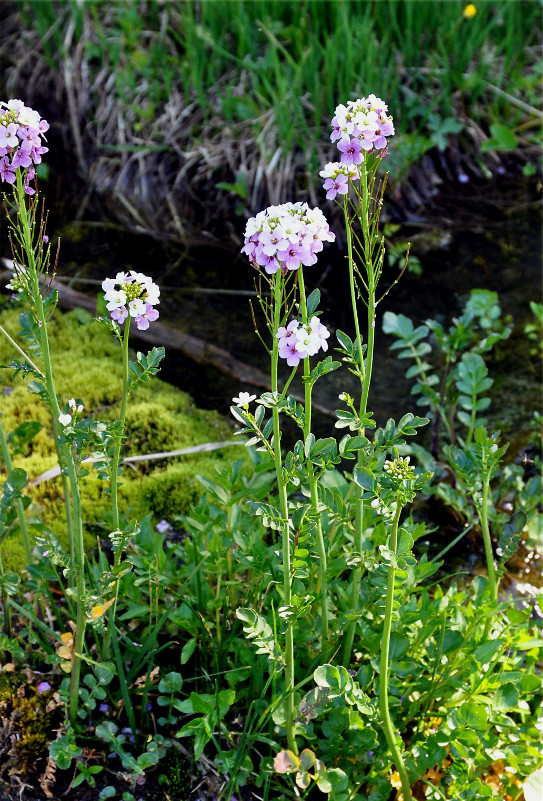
483, 518
282, 490
366, 366
63, 455
321, 548
6, 456
66, 460
114, 474
74, 514
383, 674
114, 486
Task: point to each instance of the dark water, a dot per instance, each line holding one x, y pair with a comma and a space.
491, 242
484, 236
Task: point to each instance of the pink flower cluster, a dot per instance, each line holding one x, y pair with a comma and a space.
136, 296
298, 341
285, 237
362, 126
21, 129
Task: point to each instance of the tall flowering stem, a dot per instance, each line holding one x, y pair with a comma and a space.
361, 250
277, 289
30, 276
321, 548
114, 469
384, 666
361, 129
128, 296
280, 240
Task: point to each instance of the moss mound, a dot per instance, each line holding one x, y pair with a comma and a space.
160, 417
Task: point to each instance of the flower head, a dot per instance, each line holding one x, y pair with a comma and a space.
21, 132
297, 341
362, 126
285, 237
132, 294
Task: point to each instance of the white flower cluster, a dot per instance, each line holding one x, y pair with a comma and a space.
75, 409
132, 294
360, 127
298, 341
363, 121
400, 468
21, 132
285, 237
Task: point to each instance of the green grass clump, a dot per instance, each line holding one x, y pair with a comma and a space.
297, 61
87, 365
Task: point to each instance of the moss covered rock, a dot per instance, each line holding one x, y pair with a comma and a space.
160, 417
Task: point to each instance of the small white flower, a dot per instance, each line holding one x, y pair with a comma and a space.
72, 405
244, 399
136, 307
108, 284
65, 419
115, 299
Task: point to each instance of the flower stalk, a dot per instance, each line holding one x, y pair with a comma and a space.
365, 366
384, 666
321, 548
277, 290
66, 457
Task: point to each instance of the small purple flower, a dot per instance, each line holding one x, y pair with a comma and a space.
268, 261
288, 334
6, 171
21, 159
336, 186
149, 316
290, 352
8, 137
119, 314
43, 686
351, 151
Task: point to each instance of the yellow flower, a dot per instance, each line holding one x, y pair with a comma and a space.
65, 651
469, 11
101, 609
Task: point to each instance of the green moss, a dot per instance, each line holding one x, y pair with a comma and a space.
28, 722
87, 365
175, 775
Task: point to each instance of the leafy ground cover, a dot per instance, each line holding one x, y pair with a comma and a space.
295, 633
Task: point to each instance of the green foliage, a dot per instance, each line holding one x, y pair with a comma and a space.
162, 418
